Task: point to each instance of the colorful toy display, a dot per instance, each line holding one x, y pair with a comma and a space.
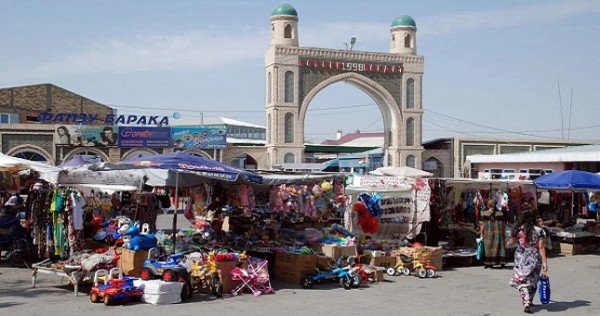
140, 240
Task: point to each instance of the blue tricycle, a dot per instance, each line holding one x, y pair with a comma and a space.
344, 271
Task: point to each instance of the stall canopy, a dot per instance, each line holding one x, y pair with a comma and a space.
186, 163
14, 164
403, 171
570, 180
275, 177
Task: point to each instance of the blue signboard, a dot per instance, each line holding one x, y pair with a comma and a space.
148, 137
199, 137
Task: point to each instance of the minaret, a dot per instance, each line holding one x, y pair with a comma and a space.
284, 26
404, 36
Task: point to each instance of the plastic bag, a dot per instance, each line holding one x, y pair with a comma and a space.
480, 249
544, 289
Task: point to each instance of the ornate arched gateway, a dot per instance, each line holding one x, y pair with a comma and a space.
296, 74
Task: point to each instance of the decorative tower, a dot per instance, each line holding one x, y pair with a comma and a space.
284, 26
404, 36
283, 143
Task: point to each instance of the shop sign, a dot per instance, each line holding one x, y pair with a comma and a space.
201, 137
352, 66
86, 136
109, 119
149, 137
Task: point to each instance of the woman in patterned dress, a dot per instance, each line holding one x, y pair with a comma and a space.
530, 257
492, 231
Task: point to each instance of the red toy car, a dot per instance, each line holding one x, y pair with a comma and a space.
114, 289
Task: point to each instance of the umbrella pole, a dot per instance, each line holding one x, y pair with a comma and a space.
174, 237
572, 203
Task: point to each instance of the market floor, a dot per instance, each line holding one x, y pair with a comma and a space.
457, 291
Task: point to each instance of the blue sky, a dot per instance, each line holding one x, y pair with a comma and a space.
492, 68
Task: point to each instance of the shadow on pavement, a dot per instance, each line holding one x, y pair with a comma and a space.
562, 306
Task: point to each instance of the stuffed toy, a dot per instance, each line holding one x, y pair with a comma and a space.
367, 222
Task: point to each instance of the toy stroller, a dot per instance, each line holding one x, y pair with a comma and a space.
255, 277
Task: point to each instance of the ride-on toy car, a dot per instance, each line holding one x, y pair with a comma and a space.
170, 270
346, 273
119, 289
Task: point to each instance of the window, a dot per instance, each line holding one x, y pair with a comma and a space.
410, 132
269, 87
408, 41
289, 86
289, 128
287, 33
411, 161
289, 158
270, 128
4, 118
410, 93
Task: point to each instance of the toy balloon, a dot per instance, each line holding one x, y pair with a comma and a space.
326, 186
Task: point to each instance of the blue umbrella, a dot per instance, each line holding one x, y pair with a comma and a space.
182, 162
572, 180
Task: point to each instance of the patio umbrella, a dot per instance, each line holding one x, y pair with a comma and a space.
570, 180
180, 162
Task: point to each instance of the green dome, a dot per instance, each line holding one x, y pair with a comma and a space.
284, 9
404, 20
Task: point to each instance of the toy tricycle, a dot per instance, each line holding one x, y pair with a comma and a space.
346, 273
205, 275
170, 270
400, 267
120, 289
422, 266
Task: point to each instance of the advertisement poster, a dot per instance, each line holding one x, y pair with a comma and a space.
199, 137
148, 137
86, 136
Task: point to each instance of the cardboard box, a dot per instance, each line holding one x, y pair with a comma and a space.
224, 269
577, 249
292, 276
132, 262
336, 251
288, 261
323, 261
434, 255
385, 262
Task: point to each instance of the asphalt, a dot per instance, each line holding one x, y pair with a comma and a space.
470, 290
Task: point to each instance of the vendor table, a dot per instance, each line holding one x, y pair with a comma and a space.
75, 274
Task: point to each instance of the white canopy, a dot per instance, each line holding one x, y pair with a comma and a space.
14, 164
403, 171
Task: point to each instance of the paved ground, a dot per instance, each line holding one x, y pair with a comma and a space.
457, 291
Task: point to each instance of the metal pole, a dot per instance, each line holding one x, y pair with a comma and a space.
174, 237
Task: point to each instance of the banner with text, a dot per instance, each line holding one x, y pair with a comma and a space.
149, 137
199, 137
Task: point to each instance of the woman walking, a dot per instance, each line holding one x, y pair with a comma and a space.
493, 233
530, 257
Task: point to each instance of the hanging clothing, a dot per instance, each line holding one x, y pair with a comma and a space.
78, 203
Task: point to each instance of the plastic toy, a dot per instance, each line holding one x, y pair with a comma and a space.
346, 273
204, 274
400, 267
114, 290
421, 265
170, 270
255, 277
140, 240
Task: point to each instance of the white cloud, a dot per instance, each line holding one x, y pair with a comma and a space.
208, 48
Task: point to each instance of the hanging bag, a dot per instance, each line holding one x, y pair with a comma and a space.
480, 249
544, 289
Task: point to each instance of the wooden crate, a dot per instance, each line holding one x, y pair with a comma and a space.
577, 249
